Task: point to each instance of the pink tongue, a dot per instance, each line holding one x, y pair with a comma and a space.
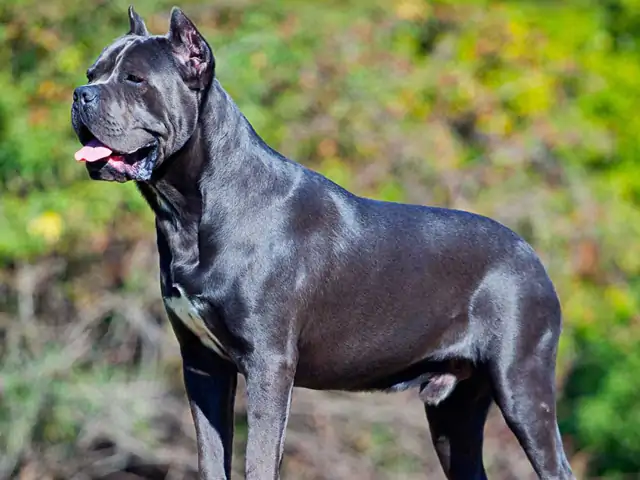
93, 151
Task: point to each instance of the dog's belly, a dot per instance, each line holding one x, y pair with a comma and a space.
372, 338
361, 359
189, 314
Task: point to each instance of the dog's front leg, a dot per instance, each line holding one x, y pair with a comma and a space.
211, 388
269, 388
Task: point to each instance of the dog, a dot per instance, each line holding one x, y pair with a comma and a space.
270, 270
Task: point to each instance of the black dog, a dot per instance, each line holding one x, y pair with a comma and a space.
271, 270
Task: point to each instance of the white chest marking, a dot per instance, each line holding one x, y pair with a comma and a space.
189, 314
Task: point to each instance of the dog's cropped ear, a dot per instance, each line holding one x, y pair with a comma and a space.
136, 24
191, 51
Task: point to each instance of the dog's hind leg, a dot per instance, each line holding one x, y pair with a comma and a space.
522, 372
457, 426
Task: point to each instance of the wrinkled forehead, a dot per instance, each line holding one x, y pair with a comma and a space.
141, 53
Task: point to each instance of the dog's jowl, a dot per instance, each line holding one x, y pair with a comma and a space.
271, 271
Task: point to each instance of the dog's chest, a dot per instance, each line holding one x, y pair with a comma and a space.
190, 314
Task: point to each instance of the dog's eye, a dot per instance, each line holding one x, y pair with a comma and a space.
134, 78
90, 75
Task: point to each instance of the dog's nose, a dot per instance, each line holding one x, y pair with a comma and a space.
84, 95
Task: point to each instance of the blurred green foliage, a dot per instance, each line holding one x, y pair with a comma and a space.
526, 111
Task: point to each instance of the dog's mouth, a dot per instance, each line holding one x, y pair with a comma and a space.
96, 154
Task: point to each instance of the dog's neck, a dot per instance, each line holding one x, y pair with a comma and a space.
224, 157
224, 177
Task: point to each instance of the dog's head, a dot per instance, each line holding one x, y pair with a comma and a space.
141, 102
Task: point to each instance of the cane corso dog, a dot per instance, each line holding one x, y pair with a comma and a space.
270, 270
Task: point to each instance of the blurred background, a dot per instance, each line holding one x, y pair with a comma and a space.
526, 111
